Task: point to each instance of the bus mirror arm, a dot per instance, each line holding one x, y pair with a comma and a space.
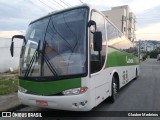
20, 37
90, 23
12, 43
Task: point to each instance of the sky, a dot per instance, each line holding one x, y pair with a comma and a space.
15, 15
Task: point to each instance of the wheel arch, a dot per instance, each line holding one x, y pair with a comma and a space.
116, 75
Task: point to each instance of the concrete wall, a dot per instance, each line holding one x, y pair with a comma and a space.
6, 61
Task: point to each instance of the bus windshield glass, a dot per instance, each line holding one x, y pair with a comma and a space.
63, 39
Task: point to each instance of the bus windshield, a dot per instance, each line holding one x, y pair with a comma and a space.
63, 42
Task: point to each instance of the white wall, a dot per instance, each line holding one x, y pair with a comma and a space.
6, 61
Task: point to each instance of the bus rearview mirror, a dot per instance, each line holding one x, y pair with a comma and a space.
12, 43
12, 48
97, 41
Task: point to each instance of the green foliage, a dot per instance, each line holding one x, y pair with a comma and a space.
8, 86
153, 54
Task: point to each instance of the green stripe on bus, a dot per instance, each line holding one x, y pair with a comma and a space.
48, 88
119, 58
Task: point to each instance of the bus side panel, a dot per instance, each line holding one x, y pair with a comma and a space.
102, 92
125, 73
100, 86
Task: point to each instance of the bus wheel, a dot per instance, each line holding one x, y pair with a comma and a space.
136, 75
114, 90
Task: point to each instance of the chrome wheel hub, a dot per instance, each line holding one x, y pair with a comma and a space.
114, 89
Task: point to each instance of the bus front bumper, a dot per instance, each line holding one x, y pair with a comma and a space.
73, 102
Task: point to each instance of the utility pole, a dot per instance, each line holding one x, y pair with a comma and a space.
122, 23
139, 50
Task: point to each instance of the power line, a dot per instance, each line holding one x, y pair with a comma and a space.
148, 15
37, 6
65, 3
58, 3
54, 4
46, 5
81, 1
147, 33
148, 18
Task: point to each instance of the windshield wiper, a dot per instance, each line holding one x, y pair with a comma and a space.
34, 58
50, 66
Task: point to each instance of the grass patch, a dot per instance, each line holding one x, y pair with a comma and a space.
8, 86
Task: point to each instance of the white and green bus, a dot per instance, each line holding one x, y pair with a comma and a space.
73, 60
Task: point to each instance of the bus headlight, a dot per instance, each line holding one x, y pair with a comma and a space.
75, 91
21, 89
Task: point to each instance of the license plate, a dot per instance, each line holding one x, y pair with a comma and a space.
41, 102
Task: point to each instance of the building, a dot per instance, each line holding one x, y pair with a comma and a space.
147, 45
123, 19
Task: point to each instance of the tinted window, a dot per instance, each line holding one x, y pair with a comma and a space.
35, 33
122, 43
112, 32
116, 40
65, 46
96, 62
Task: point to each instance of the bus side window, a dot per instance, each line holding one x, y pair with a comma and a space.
112, 32
95, 64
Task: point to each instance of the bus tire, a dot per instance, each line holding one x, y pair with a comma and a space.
114, 89
136, 75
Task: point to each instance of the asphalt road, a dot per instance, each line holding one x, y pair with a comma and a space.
142, 94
